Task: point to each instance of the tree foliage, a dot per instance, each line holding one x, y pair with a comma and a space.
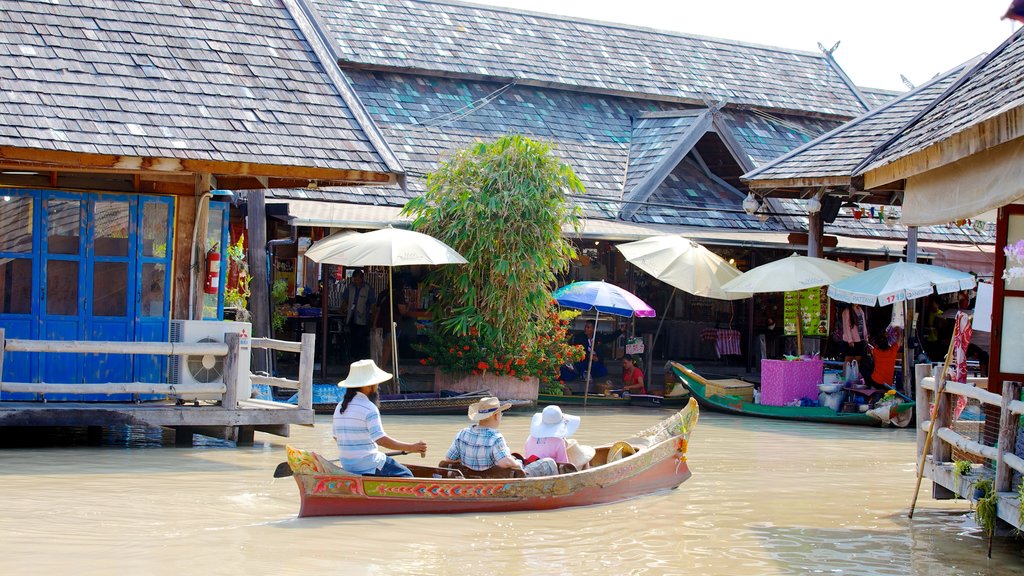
502, 205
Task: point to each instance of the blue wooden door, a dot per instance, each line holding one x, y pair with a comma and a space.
19, 281
153, 283
84, 267
63, 275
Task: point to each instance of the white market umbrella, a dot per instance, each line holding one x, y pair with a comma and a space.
683, 264
789, 275
386, 247
899, 282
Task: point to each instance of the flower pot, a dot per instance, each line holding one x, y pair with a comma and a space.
503, 386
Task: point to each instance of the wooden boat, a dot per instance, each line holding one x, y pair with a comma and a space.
649, 400
658, 464
735, 405
327, 396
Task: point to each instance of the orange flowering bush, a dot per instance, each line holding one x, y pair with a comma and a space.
540, 355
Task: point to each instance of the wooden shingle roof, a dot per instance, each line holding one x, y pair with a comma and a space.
228, 81
831, 158
471, 41
990, 89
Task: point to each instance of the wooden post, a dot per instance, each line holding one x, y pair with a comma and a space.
306, 357
1007, 436
941, 451
230, 401
3, 346
921, 372
198, 278
259, 296
815, 232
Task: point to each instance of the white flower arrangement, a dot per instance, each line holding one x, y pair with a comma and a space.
1015, 256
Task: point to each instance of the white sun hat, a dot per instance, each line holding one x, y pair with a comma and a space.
364, 373
552, 423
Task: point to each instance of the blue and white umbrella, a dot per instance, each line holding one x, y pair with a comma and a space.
898, 282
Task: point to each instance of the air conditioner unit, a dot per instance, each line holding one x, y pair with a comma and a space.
202, 369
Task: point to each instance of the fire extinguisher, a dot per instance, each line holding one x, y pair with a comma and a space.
212, 271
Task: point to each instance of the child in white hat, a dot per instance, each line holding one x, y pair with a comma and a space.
548, 432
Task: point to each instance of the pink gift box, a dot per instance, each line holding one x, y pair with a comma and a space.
783, 381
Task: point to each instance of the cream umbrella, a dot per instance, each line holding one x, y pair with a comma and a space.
791, 274
386, 247
684, 265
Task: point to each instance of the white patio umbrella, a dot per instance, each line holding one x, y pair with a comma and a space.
790, 274
899, 282
386, 247
684, 265
896, 284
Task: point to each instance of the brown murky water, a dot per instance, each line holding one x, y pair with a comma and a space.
766, 497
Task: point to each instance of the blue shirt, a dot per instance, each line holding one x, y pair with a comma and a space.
478, 448
357, 431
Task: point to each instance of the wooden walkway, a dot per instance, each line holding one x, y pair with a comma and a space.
999, 460
220, 414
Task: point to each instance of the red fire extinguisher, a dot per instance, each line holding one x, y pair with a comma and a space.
212, 271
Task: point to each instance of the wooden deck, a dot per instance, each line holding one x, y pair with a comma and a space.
220, 414
939, 464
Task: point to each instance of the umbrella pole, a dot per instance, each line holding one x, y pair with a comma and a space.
799, 327
394, 341
590, 361
658, 331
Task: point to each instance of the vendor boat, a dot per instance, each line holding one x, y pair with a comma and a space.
327, 396
898, 414
654, 459
648, 400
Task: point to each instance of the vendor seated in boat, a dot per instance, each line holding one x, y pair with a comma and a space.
548, 432
481, 446
632, 377
884, 352
591, 360
358, 429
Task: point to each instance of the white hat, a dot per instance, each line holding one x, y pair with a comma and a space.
486, 407
579, 454
553, 423
364, 373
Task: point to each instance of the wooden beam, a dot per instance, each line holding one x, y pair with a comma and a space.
1007, 436
53, 159
259, 287
203, 184
86, 414
185, 221
803, 182
215, 388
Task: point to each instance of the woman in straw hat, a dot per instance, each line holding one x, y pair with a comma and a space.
548, 432
357, 426
481, 446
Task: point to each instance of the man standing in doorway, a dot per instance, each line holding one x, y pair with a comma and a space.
359, 301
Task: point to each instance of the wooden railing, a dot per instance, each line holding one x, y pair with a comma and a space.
230, 349
946, 438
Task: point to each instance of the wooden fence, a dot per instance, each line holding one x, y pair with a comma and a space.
939, 468
230, 349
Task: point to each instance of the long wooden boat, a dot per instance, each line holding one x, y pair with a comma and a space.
648, 400
327, 396
736, 405
658, 464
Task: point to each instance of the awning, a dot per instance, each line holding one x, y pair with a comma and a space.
371, 217
966, 188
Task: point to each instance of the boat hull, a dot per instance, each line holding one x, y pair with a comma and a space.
649, 400
737, 406
660, 464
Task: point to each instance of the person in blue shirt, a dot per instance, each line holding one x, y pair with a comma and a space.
481, 446
357, 426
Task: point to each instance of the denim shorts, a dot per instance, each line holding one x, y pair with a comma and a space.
391, 468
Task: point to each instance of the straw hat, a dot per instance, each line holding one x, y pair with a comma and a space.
579, 454
486, 407
364, 373
552, 423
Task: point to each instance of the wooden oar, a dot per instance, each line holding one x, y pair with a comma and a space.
284, 470
931, 425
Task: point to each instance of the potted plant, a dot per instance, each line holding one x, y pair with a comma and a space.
502, 205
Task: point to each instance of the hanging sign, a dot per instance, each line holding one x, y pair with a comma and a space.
812, 305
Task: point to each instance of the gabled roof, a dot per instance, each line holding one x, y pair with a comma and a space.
656, 146
473, 41
232, 81
829, 160
988, 91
